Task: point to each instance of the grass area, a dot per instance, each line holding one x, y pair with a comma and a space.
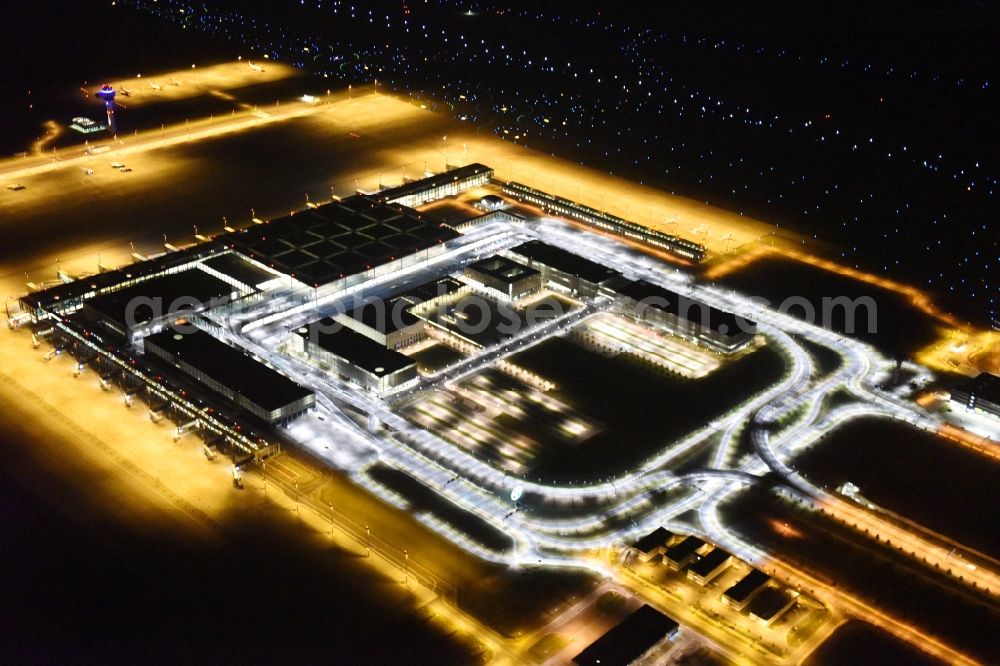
642, 407
896, 584
915, 474
517, 601
899, 329
859, 643
436, 357
424, 499
610, 603
546, 646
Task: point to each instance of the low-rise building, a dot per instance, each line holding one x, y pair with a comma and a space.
503, 277
354, 357
388, 323
981, 394
232, 373
709, 566
633, 639
690, 319
769, 605
678, 556
652, 544
740, 594
564, 270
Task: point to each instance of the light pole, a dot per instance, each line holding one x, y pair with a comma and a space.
368, 541
406, 567
331, 520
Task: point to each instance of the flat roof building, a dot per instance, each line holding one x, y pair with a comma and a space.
354, 357
388, 323
676, 557
708, 567
608, 223
147, 306
564, 269
634, 638
356, 235
504, 277
693, 320
740, 594
770, 604
438, 186
652, 544
234, 374
981, 394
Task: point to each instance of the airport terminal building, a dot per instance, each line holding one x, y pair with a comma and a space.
354, 357
232, 373
692, 320
503, 277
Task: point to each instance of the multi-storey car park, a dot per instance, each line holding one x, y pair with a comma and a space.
287, 299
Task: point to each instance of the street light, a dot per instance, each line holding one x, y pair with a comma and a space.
406, 567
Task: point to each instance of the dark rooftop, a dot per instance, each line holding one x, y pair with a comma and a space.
709, 563
629, 639
78, 288
231, 367
323, 244
171, 292
416, 186
502, 268
239, 269
747, 585
985, 387
567, 262
684, 307
654, 539
431, 290
769, 603
354, 347
384, 316
684, 549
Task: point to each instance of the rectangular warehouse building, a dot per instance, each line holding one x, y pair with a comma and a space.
690, 319
563, 269
262, 391
354, 357
634, 638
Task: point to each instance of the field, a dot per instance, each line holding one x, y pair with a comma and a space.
915, 474
856, 642
899, 329
642, 407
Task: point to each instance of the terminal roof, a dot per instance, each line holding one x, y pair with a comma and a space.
358, 349
172, 292
231, 367
323, 244
567, 262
